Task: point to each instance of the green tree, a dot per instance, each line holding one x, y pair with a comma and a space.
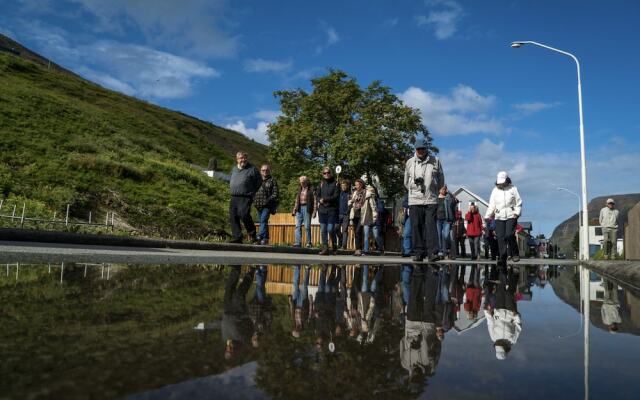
365, 130
575, 243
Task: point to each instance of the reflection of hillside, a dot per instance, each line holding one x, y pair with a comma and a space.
566, 287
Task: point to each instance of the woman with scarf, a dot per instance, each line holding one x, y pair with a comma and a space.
356, 203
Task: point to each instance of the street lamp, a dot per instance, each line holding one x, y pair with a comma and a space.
584, 236
579, 225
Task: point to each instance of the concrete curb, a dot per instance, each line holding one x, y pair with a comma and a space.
57, 237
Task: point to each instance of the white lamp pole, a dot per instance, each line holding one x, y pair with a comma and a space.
584, 236
579, 223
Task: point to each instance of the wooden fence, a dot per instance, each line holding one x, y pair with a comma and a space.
282, 232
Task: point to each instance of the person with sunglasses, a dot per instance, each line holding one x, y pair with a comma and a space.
328, 196
266, 202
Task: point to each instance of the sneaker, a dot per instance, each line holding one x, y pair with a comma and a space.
515, 258
357, 253
406, 255
309, 245
264, 242
417, 258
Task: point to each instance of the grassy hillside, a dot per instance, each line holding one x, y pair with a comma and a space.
66, 140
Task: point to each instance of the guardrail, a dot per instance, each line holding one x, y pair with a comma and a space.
22, 218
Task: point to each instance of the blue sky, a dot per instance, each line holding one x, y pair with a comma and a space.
488, 106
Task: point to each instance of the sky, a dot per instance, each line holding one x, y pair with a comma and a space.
489, 107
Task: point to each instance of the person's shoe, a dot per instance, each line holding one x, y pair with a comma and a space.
255, 240
515, 258
297, 245
452, 258
264, 242
434, 258
324, 251
417, 258
406, 255
357, 253
309, 245
236, 241
334, 251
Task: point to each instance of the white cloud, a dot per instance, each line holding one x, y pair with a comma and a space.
197, 27
267, 115
331, 38
131, 69
149, 72
262, 65
538, 175
443, 18
390, 22
463, 111
259, 133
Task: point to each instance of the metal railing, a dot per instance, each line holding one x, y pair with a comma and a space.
22, 218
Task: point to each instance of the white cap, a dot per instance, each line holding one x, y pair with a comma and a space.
502, 177
501, 353
610, 200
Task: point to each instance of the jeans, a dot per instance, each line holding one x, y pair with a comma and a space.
444, 240
240, 211
263, 217
379, 237
343, 230
424, 235
302, 216
406, 237
300, 291
365, 279
328, 221
506, 233
367, 230
357, 233
405, 274
261, 280
610, 241
474, 243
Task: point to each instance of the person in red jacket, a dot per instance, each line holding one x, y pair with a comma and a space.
474, 230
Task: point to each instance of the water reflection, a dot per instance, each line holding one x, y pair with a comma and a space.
312, 331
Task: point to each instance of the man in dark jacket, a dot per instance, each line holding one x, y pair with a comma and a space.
343, 214
458, 234
245, 181
266, 202
328, 196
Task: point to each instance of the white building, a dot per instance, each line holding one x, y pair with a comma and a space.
596, 239
465, 196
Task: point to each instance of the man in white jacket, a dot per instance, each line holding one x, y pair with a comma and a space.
609, 223
423, 178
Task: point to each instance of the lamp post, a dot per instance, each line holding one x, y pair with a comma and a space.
579, 224
583, 163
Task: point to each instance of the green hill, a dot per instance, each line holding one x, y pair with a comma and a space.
65, 140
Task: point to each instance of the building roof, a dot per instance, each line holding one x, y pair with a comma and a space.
480, 199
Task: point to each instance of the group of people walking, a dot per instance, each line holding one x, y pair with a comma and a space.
433, 227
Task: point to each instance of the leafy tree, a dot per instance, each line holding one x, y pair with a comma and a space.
368, 131
575, 243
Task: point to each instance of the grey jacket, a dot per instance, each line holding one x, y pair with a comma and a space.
245, 181
431, 171
609, 218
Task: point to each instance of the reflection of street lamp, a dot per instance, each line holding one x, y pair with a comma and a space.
584, 237
579, 210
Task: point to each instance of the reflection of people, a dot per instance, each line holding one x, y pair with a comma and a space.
423, 335
609, 223
473, 294
237, 326
260, 307
504, 321
299, 300
611, 306
324, 305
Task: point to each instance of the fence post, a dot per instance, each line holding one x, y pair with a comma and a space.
24, 205
66, 219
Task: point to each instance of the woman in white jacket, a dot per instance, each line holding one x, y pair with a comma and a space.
505, 205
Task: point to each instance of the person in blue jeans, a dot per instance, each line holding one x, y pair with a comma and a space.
299, 300
445, 214
266, 202
380, 224
260, 307
406, 227
405, 274
328, 202
369, 214
303, 209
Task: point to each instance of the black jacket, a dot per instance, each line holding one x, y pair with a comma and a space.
330, 193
